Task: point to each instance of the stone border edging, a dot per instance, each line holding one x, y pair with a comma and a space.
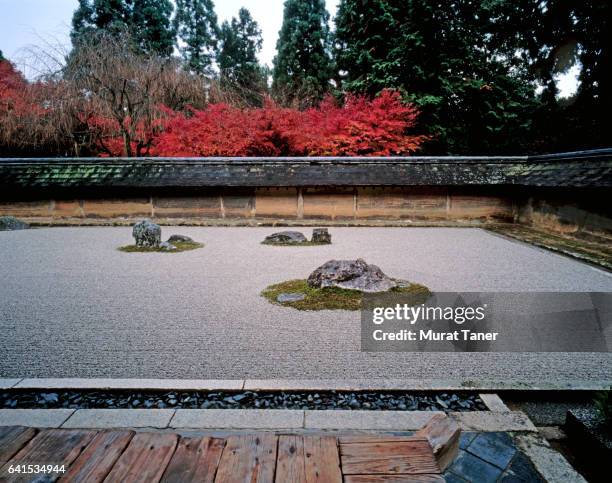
551, 464
259, 419
132, 384
300, 384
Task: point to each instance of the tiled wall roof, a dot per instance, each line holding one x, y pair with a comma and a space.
582, 169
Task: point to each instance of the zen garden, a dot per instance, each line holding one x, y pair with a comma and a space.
305, 240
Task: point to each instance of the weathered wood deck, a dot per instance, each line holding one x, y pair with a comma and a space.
128, 456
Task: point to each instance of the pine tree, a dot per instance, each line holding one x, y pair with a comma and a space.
92, 15
563, 35
152, 25
448, 60
239, 43
303, 66
147, 21
195, 23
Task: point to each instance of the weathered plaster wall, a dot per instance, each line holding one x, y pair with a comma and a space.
310, 203
562, 210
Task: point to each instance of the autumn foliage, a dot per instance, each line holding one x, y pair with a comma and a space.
359, 127
48, 117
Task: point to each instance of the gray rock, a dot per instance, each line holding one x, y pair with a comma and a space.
179, 239
321, 235
286, 237
167, 247
351, 274
290, 297
9, 223
147, 234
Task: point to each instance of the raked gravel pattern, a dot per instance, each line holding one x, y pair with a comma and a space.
71, 305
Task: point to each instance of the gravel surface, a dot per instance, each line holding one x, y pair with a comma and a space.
71, 305
369, 401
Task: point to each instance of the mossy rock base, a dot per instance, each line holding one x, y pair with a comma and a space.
180, 247
306, 243
330, 298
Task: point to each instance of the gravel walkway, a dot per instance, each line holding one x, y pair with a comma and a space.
71, 305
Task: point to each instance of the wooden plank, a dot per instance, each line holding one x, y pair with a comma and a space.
96, 461
12, 439
49, 447
145, 459
394, 479
443, 434
195, 459
408, 457
290, 465
322, 462
248, 459
378, 438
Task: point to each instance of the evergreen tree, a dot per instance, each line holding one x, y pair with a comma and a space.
92, 15
152, 25
446, 59
1, 56
303, 66
195, 23
562, 35
239, 41
147, 21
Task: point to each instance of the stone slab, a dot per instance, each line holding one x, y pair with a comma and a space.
119, 418
423, 385
378, 420
493, 402
238, 418
493, 421
549, 463
135, 384
7, 383
35, 418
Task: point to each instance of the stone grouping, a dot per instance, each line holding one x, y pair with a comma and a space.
148, 234
319, 235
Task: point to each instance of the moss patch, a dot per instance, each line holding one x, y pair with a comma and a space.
587, 247
329, 298
180, 247
306, 243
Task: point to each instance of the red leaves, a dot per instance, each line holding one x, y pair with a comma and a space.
361, 127
12, 87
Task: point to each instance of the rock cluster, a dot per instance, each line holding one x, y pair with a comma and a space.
319, 236
368, 400
147, 234
9, 223
351, 274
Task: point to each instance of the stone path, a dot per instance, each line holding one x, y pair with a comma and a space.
71, 305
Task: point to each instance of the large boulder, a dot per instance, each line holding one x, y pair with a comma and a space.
9, 223
321, 235
147, 234
286, 237
351, 274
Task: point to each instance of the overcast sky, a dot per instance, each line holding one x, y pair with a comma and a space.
25, 23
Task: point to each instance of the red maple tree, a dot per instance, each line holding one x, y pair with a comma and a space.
359, 127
